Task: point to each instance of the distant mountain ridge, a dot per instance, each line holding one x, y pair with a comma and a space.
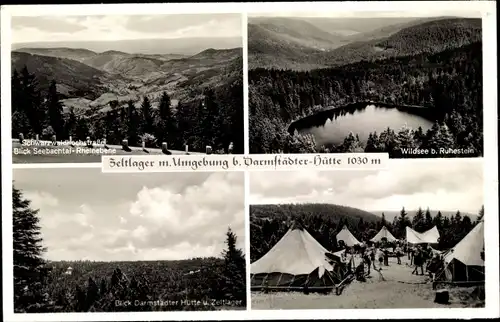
270, 45
294, 211
177, 46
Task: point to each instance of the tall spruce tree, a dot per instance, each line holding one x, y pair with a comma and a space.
30, 101
20, 121
234, 273
29, 271
418, 221
54, 110
132, 124
481, 213
167, 123
147, 116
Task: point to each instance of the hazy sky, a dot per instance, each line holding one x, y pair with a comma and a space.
120, 27
370, 14
86, 214
451, 185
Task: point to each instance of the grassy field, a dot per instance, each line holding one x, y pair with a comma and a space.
400, 289
68, 154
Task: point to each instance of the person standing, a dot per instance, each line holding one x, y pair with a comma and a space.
398, 254
366, 259
386, 257
418, 259
372, 257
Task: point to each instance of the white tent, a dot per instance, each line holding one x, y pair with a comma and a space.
430, 236
383, 233
468, 250
297, 259
347, 237
296, 253
463, 262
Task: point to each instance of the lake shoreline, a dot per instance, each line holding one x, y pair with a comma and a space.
322, 116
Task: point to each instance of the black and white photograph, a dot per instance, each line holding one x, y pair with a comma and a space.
387, 239
402, 83
87, 86
96, 242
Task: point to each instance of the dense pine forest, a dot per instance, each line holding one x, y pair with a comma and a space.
269, 223
46, 286
215, 120
448, 85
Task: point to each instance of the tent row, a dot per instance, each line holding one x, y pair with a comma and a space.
298, 260
349, 240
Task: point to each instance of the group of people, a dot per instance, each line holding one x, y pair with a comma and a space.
422, 258
374, 253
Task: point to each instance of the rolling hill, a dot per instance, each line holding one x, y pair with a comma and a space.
89, 79
75, 79
328, 212
77, 54
272, 49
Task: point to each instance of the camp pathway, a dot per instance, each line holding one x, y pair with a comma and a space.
400, 289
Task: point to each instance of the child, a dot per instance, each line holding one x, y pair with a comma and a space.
367, 261
398, 254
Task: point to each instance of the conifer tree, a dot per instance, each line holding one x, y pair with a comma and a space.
418, 220
54, 109
147, 116
481, 213
132, 124
428, 219
29, 272
234, 279
167, 124
30, 101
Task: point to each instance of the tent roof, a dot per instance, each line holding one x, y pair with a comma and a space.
347, 237
468, 250
430, 236
383, 233
296, 253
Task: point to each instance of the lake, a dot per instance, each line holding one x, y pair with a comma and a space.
332, 126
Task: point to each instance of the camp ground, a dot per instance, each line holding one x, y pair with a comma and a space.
299, 273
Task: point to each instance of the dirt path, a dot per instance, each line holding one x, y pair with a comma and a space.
400, 289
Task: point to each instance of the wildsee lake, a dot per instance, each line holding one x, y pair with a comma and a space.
333, 126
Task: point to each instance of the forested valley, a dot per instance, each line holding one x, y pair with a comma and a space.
269, 223
448, 84
216, 119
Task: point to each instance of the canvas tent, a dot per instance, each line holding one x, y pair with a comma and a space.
430, 236
463, 262
348, 238
297, 260
383, 233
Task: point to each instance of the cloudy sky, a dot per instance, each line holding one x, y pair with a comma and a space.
456, 184
86, 214
120, 27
